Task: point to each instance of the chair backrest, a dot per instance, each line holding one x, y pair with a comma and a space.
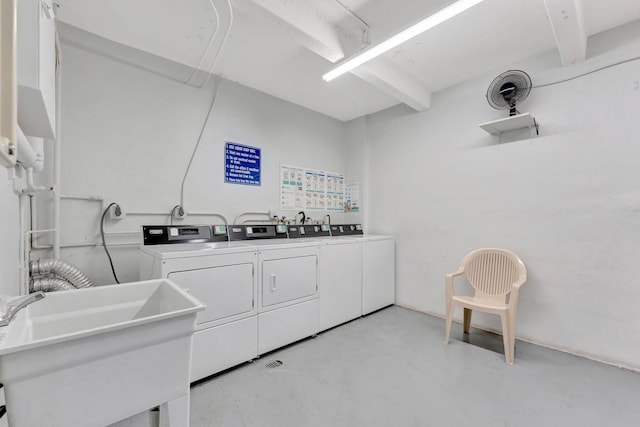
492, 272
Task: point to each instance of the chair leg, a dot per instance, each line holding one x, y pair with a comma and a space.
507, 338
448, 321
467, 320
512, 321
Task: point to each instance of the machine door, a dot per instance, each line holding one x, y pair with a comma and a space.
288, 279
226, 290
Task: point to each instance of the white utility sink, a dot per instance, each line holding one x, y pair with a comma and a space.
95, 356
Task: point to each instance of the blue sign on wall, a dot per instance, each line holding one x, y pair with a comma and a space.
241, 164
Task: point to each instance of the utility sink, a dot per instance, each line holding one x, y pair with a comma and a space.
95, 356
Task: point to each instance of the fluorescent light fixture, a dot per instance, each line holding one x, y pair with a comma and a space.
419, 28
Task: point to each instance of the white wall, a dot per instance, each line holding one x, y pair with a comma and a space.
128, 135
9, 236
357, 169
568, 201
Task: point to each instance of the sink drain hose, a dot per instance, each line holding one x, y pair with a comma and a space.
50, 284
61, 269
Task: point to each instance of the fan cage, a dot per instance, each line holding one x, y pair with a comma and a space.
520, 79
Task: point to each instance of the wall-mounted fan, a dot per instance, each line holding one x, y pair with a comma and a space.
509, 89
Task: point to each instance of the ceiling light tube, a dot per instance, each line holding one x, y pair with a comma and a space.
419, 28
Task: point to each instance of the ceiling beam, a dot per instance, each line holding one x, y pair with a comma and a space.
567, 22
395, 83
307, 25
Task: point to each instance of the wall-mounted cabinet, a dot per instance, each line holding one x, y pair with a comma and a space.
36, 67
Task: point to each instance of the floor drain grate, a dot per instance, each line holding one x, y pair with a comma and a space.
274, 364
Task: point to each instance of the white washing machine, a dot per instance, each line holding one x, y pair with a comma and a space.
222, 275
340, 273
378, 272
340, 281
288, 305
378, 265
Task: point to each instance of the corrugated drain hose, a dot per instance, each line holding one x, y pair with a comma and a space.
61, 270
50, 284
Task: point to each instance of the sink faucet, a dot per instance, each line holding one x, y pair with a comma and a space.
12, 307
304, 217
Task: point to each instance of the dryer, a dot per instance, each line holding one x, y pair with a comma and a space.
288, 306
222, 275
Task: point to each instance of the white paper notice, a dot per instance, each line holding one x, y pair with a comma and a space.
352, 197
311, 189
291, 187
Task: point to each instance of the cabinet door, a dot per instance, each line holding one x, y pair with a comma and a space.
378, 274
288, 279
227, 291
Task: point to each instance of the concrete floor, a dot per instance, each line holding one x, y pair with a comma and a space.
392, 369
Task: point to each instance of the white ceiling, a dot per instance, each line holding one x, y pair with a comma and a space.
283, 47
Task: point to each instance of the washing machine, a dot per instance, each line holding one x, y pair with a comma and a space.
340, 282
221, 274
339, 273
378, 265
288, 305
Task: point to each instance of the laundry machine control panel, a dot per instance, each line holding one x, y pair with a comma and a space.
346, 229
309, 230
169, 234
252, 232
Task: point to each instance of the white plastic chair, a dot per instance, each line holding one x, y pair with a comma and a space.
496, 276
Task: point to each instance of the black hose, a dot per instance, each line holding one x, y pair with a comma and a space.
104, 242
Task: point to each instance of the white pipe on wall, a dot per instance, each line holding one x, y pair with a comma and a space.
26, 247
57, 160
79, 197
268, 214
26, 154
23, 269
30, 151
34, 223
38, 147
224, 218
31, 188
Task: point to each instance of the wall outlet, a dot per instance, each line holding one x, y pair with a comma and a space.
116, 212
179, 212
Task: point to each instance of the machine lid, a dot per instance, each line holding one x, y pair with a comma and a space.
190, 250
